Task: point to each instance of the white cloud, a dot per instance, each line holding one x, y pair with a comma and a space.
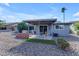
76, 19
76, 14
7, 4
10, 16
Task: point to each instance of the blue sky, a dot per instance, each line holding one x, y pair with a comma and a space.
15, 12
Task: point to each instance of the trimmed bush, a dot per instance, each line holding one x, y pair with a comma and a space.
77, 32
76, 25
63, 44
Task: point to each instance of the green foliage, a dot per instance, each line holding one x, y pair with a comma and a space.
76, 26
2, 23
63, 44
53, 42
22, 26
77, 32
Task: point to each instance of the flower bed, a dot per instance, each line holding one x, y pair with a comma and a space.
22, 35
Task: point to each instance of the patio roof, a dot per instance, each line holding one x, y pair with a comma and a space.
41, 21
66, 23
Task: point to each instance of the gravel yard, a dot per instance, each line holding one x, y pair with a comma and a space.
7, 41
9, 46
36, 49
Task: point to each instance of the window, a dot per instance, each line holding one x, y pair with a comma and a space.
43, 29
31, 27
59, 26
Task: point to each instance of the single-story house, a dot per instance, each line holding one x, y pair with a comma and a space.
49, 27
12, 26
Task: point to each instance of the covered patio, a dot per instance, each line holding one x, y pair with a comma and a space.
47, 28
41, 26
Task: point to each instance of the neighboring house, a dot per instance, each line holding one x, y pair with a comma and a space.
48, 27
12, 26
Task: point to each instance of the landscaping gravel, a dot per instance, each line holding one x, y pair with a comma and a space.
37, 49
9, 46
7, 41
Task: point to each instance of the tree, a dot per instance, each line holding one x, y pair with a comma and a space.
22, 26
2, 23
76, 25
63, 11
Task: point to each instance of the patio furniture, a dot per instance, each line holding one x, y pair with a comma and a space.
55, 34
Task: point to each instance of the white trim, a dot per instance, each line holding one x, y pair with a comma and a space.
59, 28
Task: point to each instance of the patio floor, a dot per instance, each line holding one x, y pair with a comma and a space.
41, 37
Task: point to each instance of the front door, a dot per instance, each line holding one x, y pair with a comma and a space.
43, 30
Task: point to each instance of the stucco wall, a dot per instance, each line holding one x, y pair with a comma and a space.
52, 29
36, 28
62, 32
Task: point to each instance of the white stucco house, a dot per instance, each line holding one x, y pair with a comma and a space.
48, 27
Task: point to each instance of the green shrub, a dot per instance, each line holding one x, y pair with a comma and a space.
76, 25
63, 44
77, 32
22, 26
